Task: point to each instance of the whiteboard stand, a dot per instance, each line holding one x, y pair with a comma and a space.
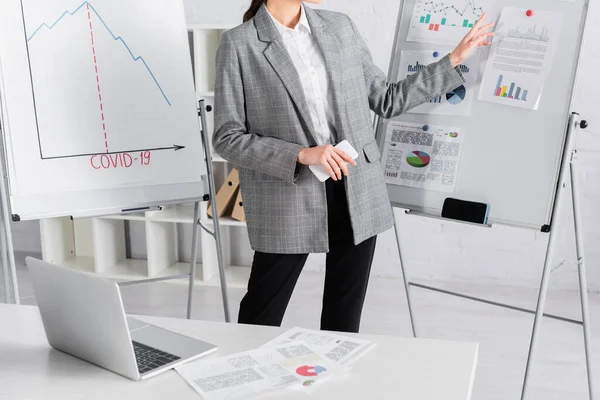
216, 234
569, 170
9, 271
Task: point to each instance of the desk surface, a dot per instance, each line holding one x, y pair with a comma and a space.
395, 368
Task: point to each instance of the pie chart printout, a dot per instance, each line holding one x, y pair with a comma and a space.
457, 95
307, 370
418, 159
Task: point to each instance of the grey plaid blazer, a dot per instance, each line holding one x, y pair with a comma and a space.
262, 121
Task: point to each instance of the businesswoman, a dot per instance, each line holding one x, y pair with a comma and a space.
291, 82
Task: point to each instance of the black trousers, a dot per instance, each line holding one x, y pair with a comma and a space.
274, 276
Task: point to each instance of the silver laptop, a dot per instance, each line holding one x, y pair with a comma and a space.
83, 315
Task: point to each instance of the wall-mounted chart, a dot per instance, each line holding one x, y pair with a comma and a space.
445, 21
99, 93
457, 101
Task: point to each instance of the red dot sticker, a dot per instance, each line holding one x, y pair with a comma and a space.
529, 13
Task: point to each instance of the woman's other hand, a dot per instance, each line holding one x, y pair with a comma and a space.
478, 36
333, 160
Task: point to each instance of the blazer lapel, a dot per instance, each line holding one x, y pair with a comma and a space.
280, 60
332, 53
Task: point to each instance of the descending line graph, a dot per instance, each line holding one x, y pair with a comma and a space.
102, 106
88, 5
95, 73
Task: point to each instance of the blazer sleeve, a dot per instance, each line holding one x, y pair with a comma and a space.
231, 140
389, 99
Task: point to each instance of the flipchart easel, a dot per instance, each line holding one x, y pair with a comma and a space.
11, 289
568, 184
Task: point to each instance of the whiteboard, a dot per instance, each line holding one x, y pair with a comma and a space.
98, 106
511, 157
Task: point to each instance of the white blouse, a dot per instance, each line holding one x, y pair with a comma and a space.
310, 64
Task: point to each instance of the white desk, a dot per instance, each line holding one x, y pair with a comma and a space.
397, 368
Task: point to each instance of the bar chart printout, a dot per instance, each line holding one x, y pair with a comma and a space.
445, 21
511, 92
517, 78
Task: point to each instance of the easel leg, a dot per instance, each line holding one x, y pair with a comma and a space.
405, 278
7, 239
541, 303
7, 286
222, 276
583, 287
194, 258
213, 195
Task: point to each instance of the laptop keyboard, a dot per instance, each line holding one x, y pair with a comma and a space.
149, 358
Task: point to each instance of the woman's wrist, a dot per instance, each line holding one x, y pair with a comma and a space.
301, 155
454, 60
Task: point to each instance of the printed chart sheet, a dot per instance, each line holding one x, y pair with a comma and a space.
447, 21
340, 349
422, 156
521, 57
243, 375
455, 102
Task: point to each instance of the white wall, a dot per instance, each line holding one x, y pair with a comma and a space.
452, 251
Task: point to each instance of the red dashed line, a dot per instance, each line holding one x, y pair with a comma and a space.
97, 77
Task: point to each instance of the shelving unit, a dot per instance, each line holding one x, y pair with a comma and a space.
99, 245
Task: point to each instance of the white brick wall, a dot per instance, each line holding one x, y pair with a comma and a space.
449, 251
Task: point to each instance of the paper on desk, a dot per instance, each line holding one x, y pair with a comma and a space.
342, 350
242, 375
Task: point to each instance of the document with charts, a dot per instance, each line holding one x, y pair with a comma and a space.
243, 375
343, 350
457, 101
521, 57
445, 21
422, 156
